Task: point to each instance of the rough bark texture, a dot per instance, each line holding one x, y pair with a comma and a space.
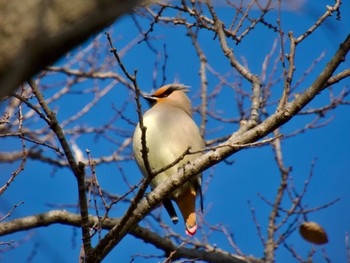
35, 33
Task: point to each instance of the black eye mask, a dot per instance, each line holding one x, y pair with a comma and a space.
166, 93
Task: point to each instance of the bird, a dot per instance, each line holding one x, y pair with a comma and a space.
170, 131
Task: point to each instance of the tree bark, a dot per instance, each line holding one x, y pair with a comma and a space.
165, 244
36, 33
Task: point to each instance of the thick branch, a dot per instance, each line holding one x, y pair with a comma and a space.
67, 218
31, 42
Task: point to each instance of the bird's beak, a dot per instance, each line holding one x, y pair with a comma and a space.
149, 98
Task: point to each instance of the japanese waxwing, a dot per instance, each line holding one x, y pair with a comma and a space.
170, 131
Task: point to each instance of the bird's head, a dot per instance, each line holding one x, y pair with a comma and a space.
172, 95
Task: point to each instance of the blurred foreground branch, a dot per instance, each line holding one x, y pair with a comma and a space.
29, 43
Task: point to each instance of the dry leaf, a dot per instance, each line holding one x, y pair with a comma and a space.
313, 233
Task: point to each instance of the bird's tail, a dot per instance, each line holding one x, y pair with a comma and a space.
187, 205
170, 209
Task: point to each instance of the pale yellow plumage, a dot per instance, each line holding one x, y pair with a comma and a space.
170, 131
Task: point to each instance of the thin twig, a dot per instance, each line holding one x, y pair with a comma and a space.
8, 214
204, 81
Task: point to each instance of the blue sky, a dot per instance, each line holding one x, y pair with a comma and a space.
230, 186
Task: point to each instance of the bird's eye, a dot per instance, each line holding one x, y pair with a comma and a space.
165, 94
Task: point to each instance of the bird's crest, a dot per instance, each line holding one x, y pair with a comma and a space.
166, 90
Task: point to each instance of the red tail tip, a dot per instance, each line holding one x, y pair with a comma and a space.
191, 231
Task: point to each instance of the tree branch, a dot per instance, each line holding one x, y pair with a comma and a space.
71, 219
23, 49
78, 169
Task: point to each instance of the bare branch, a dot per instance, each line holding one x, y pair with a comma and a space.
204, 81
67, 218
328, 13
78, 169
8, 214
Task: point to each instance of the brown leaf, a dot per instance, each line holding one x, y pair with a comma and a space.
313, 232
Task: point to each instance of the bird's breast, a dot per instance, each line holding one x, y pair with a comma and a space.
168, 135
